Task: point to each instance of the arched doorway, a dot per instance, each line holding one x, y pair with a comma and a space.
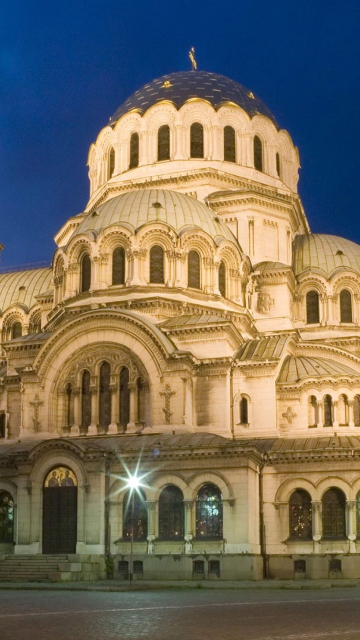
60, 511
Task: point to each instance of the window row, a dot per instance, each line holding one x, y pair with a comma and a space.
333, 515
208, 514
313, 307
156, 269
196, 148
329, 412
14, 329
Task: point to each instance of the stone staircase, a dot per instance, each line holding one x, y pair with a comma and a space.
30, 568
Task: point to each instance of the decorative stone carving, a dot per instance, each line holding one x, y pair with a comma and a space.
264, 302
36, 403
166, 394
289, 415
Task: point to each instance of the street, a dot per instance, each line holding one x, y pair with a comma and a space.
178, 614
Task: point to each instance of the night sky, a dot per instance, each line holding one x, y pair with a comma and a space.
66, 67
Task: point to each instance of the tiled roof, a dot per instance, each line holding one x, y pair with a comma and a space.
295, 369
203, 319
268, 348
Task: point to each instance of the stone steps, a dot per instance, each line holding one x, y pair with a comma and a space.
29, 568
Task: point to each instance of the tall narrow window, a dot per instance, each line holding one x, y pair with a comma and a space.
2, 425
111, 162
85, 400
68, 391
124, 397
244, 411
333, 514
6, 517
209, 512
171, 513
313, 412
104, 396
328, 411
229, 144
312, 307
194, 270
300, 515
222, 279
135, 515
356, 409
118, 266
140, 400
134, 151
157, 264
16, 330
196, 140
278, 165
345, 306
85, 273
164, 143
258, 154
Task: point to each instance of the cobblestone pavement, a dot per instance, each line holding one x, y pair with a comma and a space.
331, 614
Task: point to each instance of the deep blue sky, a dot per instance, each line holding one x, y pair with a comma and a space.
66, 67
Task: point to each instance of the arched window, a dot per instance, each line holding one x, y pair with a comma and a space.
111, 162
135, 515
258, 154
209, 512
124, 397
6, 517
333, 514
118, 266
2, 425
196, 140
85, 273
328, 411
85, 400
104, 396
278, 165
229, 144
300, 515
157, 264
244, 411
16, 330
312, 307
164, 143
356, 409
343, 410
222, 279
68, 390
345, 306
134, 151
171, 513
194, 270
313, 411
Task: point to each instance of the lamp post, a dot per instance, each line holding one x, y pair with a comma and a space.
133, 484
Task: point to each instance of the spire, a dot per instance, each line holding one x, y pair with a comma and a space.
192, 58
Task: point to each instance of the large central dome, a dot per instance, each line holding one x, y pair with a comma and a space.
180, 87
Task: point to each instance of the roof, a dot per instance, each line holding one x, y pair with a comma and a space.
268, 348
180, 87
295, 369
22, 287
200, 320
324, 254
270, 266
135, 209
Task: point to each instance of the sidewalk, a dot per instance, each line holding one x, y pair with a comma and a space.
144, 585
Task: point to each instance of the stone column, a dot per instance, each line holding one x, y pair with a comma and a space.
75, 427
321, 414
335, 414
351, 520
351, 413
316, 520
131, 427
93, 428
114, 389
188, 504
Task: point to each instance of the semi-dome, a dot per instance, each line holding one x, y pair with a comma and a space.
183, 86
135, 209
325, 254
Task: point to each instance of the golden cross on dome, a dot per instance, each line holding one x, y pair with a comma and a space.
192, 58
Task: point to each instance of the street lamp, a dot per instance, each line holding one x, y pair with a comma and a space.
133, 483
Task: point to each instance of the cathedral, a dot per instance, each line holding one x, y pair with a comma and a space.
194, 335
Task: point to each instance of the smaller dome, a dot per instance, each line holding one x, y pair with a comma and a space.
325, 254
135, 209
299, 368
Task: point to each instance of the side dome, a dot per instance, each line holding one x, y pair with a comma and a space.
183, 86
135, 209
325, 254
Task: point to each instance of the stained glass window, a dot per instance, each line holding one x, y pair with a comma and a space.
229, 144
258, 154
85, 273
209, 512
222, 279
345, 306
194, 270
85, 400
171, 513
118, 266
300, 515
157, 264
6, 517
196, 140
134, 151
164, 143
135, 515
312, 307
104, 395
333, 514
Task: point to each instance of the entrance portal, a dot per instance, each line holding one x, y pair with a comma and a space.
60, 511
